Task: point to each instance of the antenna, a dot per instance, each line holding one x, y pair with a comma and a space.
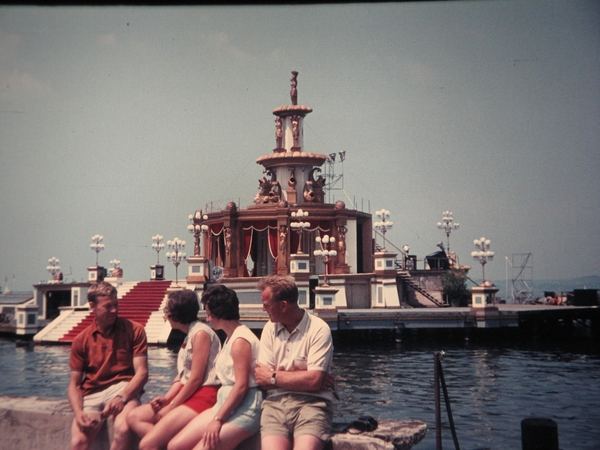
330, 175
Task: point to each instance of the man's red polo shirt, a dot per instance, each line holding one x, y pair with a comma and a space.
105, 361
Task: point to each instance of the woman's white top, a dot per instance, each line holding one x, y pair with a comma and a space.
184, 357
224, 364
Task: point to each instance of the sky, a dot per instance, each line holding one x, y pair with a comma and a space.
123, 120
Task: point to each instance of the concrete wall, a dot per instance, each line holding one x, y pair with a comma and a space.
35, 423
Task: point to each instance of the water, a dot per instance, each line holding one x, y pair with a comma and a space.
491, 387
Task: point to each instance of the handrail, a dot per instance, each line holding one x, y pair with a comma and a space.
438, 375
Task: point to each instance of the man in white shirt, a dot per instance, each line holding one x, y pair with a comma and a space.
294, 366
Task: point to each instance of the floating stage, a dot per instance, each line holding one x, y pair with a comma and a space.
526, 319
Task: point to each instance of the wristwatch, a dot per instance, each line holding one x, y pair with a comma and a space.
273, 380
123, 399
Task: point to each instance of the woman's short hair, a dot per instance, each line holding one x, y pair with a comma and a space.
283, 287
101, 289
221, 302
182, 306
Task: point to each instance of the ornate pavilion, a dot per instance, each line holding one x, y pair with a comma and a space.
270, 236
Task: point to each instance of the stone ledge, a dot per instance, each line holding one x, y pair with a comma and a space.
389, 435
34, 423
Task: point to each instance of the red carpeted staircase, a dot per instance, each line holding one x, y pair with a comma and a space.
137, 305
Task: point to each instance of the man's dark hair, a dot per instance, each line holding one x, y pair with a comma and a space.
283, 287
222, 302
182, 306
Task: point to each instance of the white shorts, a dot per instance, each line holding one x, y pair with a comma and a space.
95, 403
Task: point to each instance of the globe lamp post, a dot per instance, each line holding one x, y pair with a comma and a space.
326, 252
196, 227
176, 255
157, 245
447, 224
53, 267
483, 254
383, 224
97, 245
406, 249
299, 225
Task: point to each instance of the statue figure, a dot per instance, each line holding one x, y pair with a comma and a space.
342, 230
270, 190
292, 179
227, 231
282, 239
295, 129
294, 91
313, 189
278, 133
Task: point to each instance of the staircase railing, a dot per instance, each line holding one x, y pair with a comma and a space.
409, 281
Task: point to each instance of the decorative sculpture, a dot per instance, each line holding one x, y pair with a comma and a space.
292, 179
270, 190
282, 239
227, 240
294, 91
313, 189
295, 129
342, 230
278, 133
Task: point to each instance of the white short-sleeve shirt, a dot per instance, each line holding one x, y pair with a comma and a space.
308, 347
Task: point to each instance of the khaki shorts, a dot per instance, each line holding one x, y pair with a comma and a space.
292, 415
95, 403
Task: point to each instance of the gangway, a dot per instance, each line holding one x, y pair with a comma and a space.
522, 278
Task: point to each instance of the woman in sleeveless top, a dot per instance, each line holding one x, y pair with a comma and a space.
236, 415
195, 387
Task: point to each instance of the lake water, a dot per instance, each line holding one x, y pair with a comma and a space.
492, 387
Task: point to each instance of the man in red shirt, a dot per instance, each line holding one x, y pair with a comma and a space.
109, 368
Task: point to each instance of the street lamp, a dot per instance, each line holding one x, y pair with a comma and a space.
53, 268
406, 249
299, 226
157, 244
483, 254
326, 252
97, 245
196, 228
176, 255
447, 224
383, 225
116, 270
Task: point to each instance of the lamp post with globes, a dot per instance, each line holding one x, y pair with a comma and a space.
326, 252
97, 245
96, 273
157, 270
116, 272
483, 254
383, 224
176, 255
406, 249
53, 268
447, 224
157, 245
299, 225
196, 227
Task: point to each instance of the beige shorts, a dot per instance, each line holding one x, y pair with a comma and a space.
95, 403
292, 415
